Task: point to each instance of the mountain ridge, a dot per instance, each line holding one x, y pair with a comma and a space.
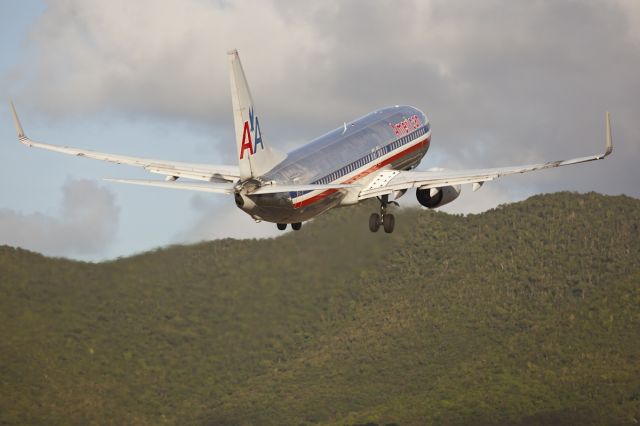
524, 314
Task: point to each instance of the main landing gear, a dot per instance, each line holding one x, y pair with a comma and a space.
386, 220
295, 226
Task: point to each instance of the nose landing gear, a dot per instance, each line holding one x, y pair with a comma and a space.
384, 219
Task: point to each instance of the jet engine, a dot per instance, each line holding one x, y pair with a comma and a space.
437, 197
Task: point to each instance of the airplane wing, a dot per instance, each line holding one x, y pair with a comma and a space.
171, 169
389, 181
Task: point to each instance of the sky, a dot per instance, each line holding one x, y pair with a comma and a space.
503, 82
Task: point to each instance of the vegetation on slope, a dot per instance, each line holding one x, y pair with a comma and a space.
526, 314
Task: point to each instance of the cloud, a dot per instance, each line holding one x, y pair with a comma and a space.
482, 200
218, 217
167, 58
86, 223
503, 82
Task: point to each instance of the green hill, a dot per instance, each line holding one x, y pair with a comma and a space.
526, 314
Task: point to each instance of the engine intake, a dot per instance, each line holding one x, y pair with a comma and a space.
437, 197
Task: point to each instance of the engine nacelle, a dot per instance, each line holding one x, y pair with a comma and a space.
437, 197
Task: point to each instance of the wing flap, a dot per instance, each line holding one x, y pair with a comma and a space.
203, 172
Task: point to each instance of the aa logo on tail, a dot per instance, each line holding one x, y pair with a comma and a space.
251, 126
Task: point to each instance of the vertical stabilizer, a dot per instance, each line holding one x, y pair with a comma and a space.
254, 155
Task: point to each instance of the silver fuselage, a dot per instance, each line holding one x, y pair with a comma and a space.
390, 138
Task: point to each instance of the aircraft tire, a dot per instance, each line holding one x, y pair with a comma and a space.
389, 223
281, 226
374, 222
296, 226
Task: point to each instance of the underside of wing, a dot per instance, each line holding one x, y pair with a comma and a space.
389, 181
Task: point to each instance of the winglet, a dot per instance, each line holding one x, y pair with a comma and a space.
609, 149
16, 122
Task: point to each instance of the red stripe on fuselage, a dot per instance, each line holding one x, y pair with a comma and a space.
364, 173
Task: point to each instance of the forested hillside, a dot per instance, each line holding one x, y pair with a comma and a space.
525, 314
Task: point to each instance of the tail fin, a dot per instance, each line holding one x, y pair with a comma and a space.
255, 158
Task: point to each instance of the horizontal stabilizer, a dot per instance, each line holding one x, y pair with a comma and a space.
274, 189
228, 187
215, 187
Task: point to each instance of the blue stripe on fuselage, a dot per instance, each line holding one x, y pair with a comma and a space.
366, 160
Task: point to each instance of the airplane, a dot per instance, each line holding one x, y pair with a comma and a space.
372, 156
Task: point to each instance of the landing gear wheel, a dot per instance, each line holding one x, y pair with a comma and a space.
389, 222
281, 226
374, 222
296, 226
383, 219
